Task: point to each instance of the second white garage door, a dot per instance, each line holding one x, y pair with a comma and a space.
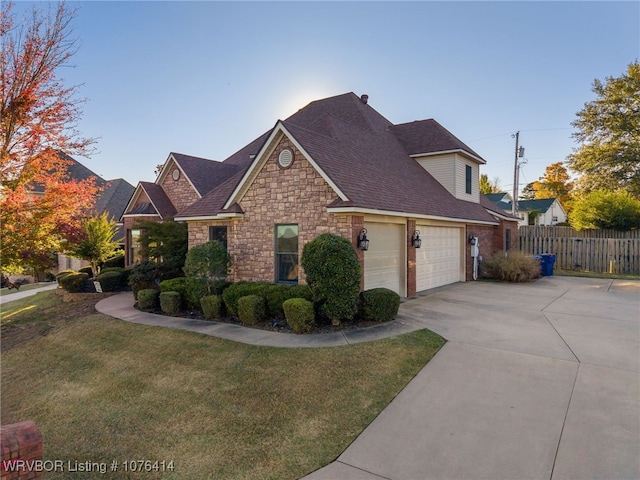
384, 261
438, 261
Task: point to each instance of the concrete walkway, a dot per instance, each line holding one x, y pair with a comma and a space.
121, 306
17, 295
537, 381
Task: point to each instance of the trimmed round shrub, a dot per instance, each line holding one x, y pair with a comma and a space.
148, 298
64, 273
73, 282
209, 261
124, 274
252, 309
332, 269
212, 306
170, 302
300, 314
275, 295
86, 270
234, 292
379, 304
190, 289
117, 261
110, 281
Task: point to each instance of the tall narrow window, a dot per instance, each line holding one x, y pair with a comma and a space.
135, 255
507, 240
467, 178
286, 253
219, 234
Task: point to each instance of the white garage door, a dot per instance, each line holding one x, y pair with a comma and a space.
438, 261
384, 261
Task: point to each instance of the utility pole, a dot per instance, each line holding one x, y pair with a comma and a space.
516, 176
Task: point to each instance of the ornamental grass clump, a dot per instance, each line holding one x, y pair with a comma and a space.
332, 269
511, 267
300, 314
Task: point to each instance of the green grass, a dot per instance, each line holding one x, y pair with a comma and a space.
103, 389
579, 273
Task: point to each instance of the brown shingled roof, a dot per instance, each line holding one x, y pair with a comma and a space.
359, 150
428, 136
204, 174
159, 198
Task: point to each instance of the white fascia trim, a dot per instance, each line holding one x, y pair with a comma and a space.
142, 215
260, 159
404, 214
136, 193
498, 215
221, 216
443, 152
165, 172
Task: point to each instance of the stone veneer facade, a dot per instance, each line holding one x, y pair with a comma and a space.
180, 192
294, 195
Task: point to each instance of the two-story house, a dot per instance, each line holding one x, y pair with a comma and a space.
337, 166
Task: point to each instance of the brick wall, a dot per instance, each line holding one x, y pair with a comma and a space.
293, 195
492, 239
20, 441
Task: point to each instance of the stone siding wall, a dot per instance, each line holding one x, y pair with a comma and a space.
294, 195
180, 192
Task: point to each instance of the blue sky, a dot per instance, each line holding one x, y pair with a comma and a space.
206, 78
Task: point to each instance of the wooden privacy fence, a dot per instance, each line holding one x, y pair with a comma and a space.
592, 250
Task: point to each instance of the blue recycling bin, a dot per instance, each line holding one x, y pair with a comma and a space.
547, 260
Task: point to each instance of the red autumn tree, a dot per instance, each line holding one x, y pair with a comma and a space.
41, 207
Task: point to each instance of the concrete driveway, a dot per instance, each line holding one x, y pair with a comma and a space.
537, 381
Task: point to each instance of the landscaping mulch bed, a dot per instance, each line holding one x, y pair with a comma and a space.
275, 325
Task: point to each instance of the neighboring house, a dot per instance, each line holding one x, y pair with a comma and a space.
113, 199
336, 166
546, 211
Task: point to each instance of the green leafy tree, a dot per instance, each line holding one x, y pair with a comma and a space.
98, 243
332, 270
487, 186
209, 261
555, 183
609, 135
166, 242
603, 209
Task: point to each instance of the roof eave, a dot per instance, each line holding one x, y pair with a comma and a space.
455, 150
373, 211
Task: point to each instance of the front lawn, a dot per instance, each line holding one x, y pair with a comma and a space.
102, 389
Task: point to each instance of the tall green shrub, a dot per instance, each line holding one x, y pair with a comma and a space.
209, 261
332, 269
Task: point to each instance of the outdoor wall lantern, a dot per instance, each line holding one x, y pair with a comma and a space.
416, 241
363, 241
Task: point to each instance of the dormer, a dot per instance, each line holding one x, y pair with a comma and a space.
445, 157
